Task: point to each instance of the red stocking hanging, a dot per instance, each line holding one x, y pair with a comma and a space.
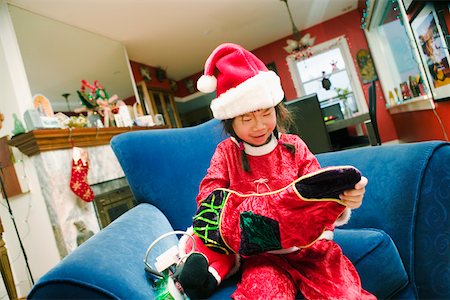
78, 178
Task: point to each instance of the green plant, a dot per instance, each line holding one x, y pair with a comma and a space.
342, 93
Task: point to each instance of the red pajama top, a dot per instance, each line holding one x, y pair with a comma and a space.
272, 166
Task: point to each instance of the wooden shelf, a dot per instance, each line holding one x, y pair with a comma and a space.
415, 104
40, 140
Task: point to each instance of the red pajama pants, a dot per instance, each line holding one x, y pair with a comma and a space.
320, 271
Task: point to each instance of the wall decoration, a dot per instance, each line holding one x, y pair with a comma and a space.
161, 74
83, 233
43, 105
173, 85
78, 176
433, 51
95, 99
326, 83
366, 66
189, 84
145, 72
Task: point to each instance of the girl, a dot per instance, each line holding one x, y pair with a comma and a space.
259, 159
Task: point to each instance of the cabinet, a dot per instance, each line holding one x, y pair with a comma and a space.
159, 102
5, 268
8, 172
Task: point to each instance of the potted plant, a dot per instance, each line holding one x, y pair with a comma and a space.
343, 94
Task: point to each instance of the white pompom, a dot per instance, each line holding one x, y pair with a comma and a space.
207, 83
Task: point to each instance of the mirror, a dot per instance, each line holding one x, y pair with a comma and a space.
58, 56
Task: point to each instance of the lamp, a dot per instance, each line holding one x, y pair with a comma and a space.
300, 46
66, 96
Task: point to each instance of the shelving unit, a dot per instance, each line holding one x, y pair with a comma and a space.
418, 103
159, 102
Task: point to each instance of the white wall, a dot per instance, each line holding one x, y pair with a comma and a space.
58, 56
39, 55
29, 210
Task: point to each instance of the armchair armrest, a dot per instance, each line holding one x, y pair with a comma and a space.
110, 264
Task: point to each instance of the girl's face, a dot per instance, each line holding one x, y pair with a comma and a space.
256, 127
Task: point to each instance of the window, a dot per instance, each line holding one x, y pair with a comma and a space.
396, 56
331, 61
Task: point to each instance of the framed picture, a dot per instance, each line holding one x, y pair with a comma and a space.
433, 50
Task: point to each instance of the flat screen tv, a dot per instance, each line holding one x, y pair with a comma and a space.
309, 123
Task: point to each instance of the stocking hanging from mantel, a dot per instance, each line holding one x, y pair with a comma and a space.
78, 178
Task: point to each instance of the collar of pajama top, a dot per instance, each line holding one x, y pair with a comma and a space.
259, 150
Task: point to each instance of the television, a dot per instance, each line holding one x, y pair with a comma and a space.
333, 110
309, 124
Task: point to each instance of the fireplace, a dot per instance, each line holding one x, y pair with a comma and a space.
72, 219
112, 199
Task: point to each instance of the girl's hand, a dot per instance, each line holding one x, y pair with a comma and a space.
353, 198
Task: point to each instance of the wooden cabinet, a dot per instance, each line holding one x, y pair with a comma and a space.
5, 268
8, 172
159, 102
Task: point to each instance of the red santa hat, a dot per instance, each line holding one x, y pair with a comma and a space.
242, 82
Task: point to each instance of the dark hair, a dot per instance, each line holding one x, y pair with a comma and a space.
284, 122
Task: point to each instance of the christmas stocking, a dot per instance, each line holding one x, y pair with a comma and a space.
78, 178
294, 216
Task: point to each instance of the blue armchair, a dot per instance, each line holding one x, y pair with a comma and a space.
398, 239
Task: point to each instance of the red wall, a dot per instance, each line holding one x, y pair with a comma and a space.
349, 25
154, 83
424, 125
408, 127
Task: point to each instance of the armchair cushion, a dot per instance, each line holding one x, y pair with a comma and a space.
370, 247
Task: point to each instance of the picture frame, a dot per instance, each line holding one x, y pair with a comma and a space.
433, 50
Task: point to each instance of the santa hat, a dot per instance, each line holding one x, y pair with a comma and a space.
242, 82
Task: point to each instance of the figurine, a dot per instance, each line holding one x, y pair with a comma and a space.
18, 126
83, 233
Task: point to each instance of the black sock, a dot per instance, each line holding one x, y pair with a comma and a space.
194, 277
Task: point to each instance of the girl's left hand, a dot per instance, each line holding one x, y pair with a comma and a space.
353, 198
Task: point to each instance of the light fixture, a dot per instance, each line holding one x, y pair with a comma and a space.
300, 46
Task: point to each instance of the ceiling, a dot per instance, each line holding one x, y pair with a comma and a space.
178, 35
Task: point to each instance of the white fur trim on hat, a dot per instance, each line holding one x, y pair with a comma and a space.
207, 83
258, 92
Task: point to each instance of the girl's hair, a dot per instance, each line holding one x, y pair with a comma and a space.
284, 123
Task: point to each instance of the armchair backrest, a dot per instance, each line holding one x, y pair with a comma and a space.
164, 167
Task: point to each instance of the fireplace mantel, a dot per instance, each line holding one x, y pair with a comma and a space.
39, 140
